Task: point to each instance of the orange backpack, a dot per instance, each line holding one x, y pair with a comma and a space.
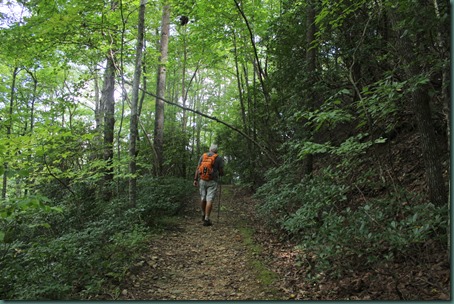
206, 166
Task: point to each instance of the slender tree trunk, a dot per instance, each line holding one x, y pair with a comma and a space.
308, 162
108, 102
184, 97
32, 123
420, 102
144, 81
9, 126
183, 82
240, 89
260, 72
133, 129
430, 150
161, 86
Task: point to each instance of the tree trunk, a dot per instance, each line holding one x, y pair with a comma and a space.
98, 105
108, 102
184, 98
9, 126
308, 162
133, 127
430, 151
32, 123
260, 72
161, 86
408, 47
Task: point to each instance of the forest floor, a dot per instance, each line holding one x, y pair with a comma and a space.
190, 261
237, 259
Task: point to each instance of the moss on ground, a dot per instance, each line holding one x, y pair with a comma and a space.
266, 277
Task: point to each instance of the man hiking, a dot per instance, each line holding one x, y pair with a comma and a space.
209, 168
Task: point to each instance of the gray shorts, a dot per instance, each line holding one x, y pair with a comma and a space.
207, 190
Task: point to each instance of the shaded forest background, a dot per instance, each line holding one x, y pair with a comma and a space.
335, 113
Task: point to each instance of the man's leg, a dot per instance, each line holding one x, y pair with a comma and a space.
211, 194
208, 207
203, 205
203, 195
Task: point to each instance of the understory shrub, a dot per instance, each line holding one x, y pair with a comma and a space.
160, 197
344, 236
294, 204
279, 195
75, 262
73, 255
383, 229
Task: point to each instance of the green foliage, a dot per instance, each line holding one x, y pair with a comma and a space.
329, 115
17, 210
381, 100
163, 196
316, 213
75, 251
362, 80
56, 268
349, 149
382, 228
298, 206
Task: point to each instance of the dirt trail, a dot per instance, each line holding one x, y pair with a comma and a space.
194, 262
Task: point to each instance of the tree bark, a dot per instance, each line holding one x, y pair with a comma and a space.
108, 103
161, 87
409, 47
184, 98
98, 106
260, 72
430, 150
133, 127
9, 127
308, 162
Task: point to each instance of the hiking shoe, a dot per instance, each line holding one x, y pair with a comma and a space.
207, 223
203, 218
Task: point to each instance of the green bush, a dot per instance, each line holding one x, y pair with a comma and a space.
75, 262
319, 197
278, 194
382, 229
160, 197
86, 245
294, 205
341, 235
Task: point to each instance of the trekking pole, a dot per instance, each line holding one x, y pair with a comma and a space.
220, 190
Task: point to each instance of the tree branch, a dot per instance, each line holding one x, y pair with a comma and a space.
264, 149
54, 176
261, 73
